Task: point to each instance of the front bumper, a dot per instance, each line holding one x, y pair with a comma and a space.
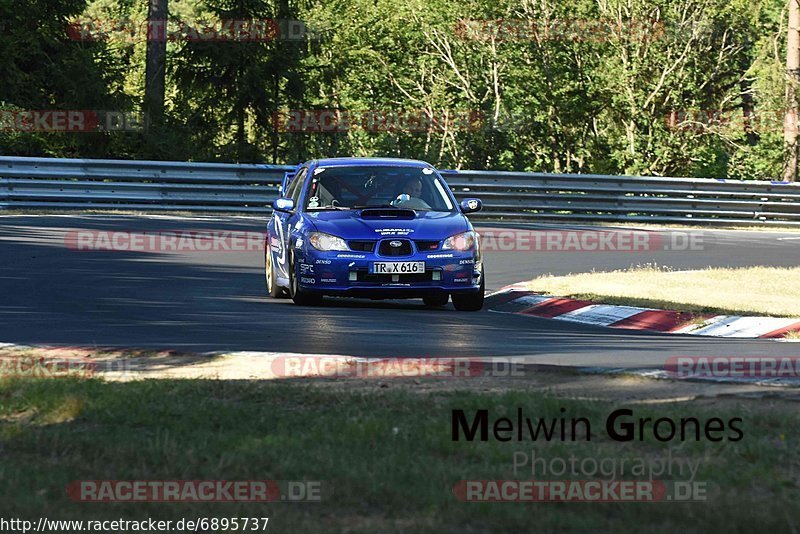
348, 274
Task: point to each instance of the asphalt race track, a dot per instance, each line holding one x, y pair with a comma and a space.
214, 301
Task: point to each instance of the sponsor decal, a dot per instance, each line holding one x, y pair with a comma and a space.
394, 231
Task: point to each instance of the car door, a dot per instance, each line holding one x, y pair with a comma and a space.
284, 221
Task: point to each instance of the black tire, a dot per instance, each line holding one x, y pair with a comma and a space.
439, 299
300, 297
269, 274
472, 301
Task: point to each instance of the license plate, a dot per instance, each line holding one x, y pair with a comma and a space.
398, 267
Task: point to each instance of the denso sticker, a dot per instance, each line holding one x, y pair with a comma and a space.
323, 262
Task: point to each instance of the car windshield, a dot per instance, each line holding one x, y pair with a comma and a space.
359, 186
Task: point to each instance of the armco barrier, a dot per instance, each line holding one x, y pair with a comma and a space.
45, 183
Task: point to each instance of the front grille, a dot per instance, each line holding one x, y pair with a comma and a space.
386, 249
361, 245
364, 276
424, 246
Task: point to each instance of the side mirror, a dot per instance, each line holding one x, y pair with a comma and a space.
470, 205
283, 204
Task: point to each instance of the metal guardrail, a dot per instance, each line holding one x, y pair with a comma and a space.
591, 197
46, 183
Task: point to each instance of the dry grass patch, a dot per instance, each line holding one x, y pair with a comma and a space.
773, 291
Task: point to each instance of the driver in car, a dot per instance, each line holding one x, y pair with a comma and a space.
410, 194
413, 188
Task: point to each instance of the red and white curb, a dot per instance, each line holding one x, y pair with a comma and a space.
520, 300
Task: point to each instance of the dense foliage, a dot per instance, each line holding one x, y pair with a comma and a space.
664, 87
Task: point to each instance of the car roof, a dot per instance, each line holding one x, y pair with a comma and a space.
395, 162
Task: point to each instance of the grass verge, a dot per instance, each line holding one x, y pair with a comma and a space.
771, 291
387, 454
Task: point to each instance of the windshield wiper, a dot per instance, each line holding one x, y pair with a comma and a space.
364, 206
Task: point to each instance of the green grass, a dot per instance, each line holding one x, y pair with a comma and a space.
772, 291
387, 454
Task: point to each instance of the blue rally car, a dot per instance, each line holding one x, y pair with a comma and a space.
375, 228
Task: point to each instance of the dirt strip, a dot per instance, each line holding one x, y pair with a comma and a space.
432, 375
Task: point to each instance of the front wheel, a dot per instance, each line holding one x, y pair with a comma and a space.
269, 271
303, 298
472, 301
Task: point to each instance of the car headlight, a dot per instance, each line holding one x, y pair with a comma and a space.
326, 242
464, 241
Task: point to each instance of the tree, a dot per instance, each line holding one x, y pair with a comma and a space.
792, 77
228, 90
155, 76
46, 68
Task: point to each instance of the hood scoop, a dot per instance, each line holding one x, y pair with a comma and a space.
388, 213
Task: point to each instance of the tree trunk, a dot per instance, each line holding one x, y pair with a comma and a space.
790, 117
156, 61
